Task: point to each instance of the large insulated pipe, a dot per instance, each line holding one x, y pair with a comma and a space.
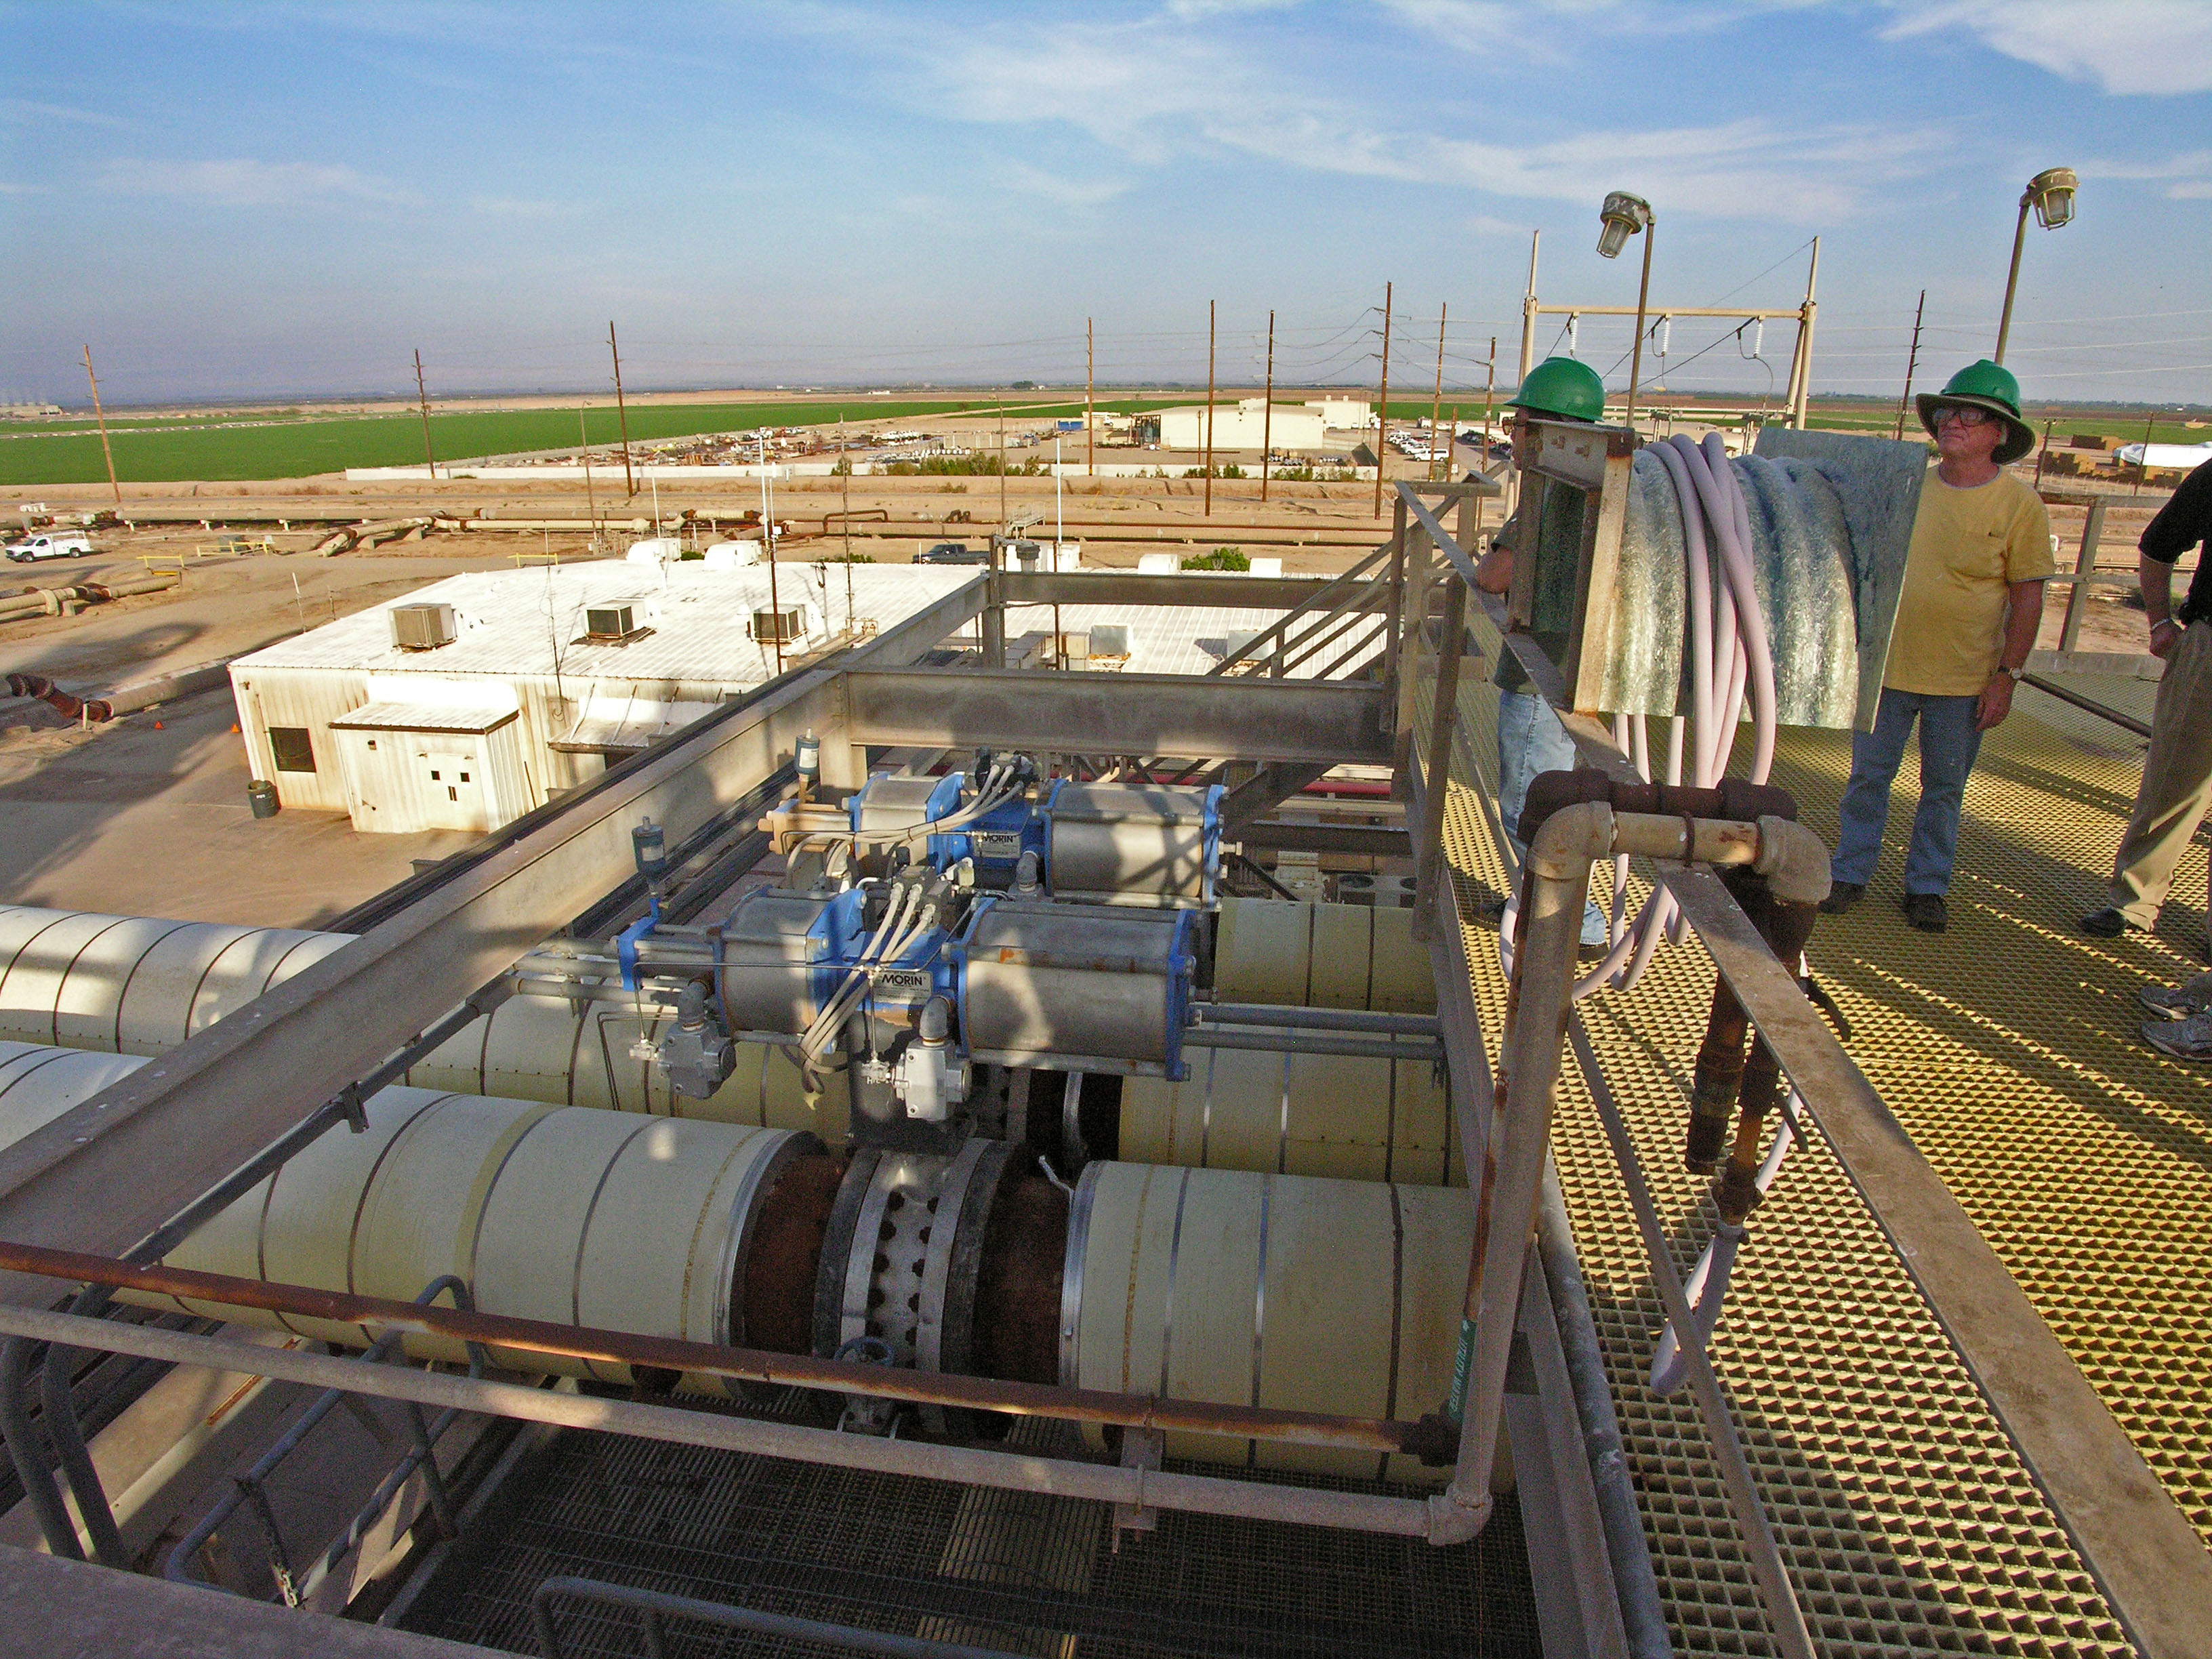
141, 985
135, 984
1274, 1291
1348, 1117
1322, 956
579, 1216
569, 1215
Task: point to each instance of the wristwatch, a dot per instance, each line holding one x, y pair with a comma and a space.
2015, 675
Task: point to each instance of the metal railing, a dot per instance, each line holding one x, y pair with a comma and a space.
655, 1607
251, 1489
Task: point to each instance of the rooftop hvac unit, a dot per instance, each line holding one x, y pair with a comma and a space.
782, 626
605, 623
422, 627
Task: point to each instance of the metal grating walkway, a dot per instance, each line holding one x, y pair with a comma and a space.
2007, 1048
1011, 1571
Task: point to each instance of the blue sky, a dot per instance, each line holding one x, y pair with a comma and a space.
253, 200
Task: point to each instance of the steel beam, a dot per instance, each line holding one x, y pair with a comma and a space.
1320, 835
1182, 715
112, 1169
1195, 587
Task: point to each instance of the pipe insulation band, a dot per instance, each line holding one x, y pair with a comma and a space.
1322, 956
576, 1217
1342, 1117
1267, 1290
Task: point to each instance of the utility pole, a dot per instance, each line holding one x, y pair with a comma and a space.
1489, 391
768, 535
1089, 392
845, 460
422, 400
1912, 362
1267, 411
1805, 338
1437, 404
1382, 415
101, 416
1208, 468
591, 500
1528, 309
1002, 463
622, 412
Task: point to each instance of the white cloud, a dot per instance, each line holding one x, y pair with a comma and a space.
1154, 91
516, 207
252, 184
1029, 180
2187, 176
7, 189
2153, 47
30, 109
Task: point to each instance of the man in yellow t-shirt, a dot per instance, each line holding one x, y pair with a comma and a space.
1965, 622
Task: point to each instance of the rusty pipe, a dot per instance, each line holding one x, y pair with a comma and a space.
738, 1364
71, 707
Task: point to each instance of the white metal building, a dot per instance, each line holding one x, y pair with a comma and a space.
1244, 426
517, 682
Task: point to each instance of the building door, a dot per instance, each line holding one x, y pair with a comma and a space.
449, 774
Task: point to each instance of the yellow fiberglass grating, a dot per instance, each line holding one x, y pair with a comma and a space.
1907, 1519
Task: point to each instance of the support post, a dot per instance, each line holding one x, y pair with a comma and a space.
1912, 362
1382, 412
1554, 881
1805, 339
100, 414
2012, 279
1436, 775
1413, 620
1267, 411
422, 402
1437, 403
1390, 627
1643, 299
622, 414
1090, 410
2092, 528
1208, 467
1529, 310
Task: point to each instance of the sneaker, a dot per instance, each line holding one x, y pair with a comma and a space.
2185, 1039
2182, 1001
1927, 912
1842, 894
2108, 923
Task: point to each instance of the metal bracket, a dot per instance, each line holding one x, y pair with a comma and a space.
1141, 1449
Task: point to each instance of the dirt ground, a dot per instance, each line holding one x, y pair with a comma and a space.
149, 815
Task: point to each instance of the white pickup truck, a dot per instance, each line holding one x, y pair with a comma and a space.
49, 546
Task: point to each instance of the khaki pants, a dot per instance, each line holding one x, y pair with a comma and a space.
2177, 781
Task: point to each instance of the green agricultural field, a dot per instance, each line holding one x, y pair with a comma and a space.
288, 446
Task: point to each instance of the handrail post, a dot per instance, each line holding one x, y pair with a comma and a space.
1390, 664
1435, 776
2092, 528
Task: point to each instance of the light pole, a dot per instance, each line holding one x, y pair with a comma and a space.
2051, 194
1623, 215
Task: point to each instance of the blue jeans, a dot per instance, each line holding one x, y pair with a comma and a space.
1530, 739
1948, 744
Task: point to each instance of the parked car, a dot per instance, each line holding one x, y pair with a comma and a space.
49, 546
952, 553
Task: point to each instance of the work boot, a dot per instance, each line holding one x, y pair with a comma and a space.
1927, 911
2183, 1001
2185, 1039
2109, 923
1842, 894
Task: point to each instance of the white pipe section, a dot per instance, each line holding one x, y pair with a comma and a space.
1272, 1291
578, 1217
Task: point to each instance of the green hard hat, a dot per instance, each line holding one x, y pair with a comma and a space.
1985, 386
1561, 386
